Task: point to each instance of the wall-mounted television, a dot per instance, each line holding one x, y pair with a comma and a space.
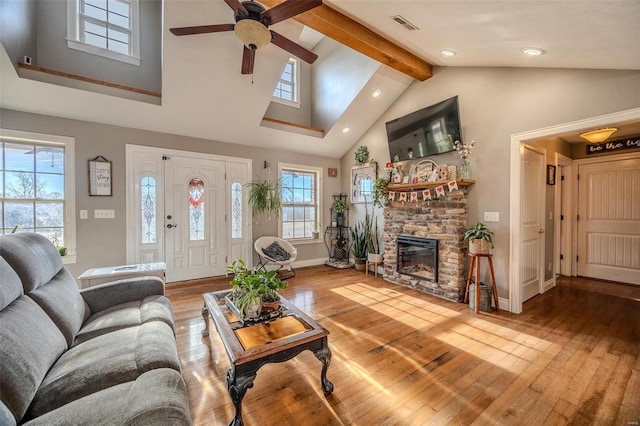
428, 131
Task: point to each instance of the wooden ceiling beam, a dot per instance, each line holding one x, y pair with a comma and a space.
345, 30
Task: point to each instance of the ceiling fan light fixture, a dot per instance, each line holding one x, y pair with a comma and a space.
600, 135
252, 34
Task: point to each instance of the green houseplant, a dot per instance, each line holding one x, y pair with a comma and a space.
380, 192
251, 289
360, 240
339, 206
56, 242
480, 238
264, 196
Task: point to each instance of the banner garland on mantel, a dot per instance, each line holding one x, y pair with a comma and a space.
412, 196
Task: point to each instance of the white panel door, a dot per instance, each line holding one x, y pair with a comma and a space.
609, 220
195, 227
532, 223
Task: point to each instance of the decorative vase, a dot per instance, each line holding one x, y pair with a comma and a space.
360, 263
340, 219
464, 170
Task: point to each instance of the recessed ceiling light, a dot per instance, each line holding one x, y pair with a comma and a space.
448, 52
376, 93
346, 130
532, 51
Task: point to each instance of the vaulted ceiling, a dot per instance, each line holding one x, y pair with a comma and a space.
204, 94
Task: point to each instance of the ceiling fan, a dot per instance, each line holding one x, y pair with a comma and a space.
251, 27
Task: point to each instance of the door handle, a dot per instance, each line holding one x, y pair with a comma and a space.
169, 226
540, 231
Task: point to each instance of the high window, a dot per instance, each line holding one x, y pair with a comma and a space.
301, 195
106, 28
36, 187
287, 88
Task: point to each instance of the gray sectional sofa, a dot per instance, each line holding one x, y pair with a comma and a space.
102, 356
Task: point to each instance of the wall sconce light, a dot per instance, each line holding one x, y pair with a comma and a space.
600, 135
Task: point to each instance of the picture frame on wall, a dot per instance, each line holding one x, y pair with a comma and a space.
362, 179
100, 182
551, 174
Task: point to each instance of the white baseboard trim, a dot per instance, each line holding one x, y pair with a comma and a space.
549, 284
504, 304
309, 262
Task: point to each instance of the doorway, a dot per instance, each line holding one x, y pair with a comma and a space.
517, 142
186, 209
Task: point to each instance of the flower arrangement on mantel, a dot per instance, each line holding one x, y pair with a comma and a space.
464, 150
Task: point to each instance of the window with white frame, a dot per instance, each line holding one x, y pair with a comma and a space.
36, 187
108, 28
301, 195
287, 87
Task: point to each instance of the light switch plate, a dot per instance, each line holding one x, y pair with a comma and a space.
104, 214
491, 216
84, 214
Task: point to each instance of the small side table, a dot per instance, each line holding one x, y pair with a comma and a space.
475, 266
375, 267
96, 276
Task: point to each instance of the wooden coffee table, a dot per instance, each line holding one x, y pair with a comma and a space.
252, 345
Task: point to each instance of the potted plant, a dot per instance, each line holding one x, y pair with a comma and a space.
339, 206
374, 255
480, 239
264, 197
362, 154
380, 192
360, 239
56, 242
251, 290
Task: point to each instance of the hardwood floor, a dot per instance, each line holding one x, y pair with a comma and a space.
401, 357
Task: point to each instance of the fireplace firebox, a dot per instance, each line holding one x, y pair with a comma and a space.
417, 257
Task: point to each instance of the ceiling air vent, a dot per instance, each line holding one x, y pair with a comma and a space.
400, 20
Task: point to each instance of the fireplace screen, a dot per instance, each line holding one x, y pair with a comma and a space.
418, 257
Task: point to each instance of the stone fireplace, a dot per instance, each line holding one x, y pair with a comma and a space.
443, 219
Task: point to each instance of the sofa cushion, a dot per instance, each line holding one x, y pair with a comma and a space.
30, 343
61, 300
152, 308
104, 361
34, 258
10, 286
157, 397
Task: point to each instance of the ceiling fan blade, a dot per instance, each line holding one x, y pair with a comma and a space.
288, 9
248, 58
202, 29
293, 48
237, 7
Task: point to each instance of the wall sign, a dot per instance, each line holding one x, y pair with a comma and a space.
100, 183
618, 145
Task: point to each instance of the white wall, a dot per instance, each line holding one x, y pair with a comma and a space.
494, 104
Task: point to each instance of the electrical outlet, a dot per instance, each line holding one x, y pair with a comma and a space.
491, 216
104, 214
84, 214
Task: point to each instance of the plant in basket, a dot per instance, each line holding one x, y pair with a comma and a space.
480, 239
253, 291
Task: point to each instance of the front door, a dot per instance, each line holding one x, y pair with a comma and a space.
532, 222
187, 210
609, 220
195, 230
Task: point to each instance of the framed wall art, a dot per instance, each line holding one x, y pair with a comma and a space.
100, 184
362, 179
551, 174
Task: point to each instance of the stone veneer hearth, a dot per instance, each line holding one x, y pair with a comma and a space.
445, 219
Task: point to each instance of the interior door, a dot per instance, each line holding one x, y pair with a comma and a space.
609, 220
194, 218
532, 222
